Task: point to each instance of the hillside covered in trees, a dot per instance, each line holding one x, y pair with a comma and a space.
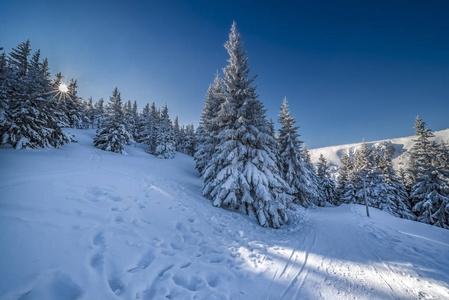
245, 164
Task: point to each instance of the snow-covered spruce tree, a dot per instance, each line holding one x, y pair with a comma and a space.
177, 134
112, 135
90, 115
375, 179
99, 113
141, 124
430, 192
60, 100
393, 197
420, 159
5, 76
291, 166
366, 177
130, 120
315, 196
242, 173
27, 119
402, 173
135, 115
187, 140
206, 135
73, 106
152, 128
305, 157
325, 183
147, 126
165, 144
346, 188
441, 159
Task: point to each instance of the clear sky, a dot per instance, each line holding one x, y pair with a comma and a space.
349, 69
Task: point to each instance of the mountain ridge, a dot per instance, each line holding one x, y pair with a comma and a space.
401, 146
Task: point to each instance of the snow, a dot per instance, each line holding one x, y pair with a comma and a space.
401, 146
81, 223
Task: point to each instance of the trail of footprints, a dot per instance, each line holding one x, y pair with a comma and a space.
97, 260
164, 278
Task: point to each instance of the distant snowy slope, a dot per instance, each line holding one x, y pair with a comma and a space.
81, 223
401, 146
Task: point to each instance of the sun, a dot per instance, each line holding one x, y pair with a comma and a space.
62, 92
63, 88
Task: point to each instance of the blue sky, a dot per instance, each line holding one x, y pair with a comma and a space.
349, 69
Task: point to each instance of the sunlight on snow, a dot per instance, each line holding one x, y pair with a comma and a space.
424, 238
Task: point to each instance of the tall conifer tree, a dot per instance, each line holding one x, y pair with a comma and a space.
113, 135
242, 173
27, 119
165, 142
291, 164
430, 191
207, 131
325, 183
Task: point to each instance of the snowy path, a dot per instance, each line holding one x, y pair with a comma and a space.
344, 255
80, 223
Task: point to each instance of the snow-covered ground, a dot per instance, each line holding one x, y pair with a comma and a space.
81, 223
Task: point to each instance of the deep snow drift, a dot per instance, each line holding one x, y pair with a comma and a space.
81, 223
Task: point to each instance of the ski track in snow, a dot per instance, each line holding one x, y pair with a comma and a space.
81, 223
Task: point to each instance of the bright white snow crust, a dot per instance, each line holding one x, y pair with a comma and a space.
81, 223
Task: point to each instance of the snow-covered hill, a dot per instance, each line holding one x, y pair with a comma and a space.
81, 223
400, 145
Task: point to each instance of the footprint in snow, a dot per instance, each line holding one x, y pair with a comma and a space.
116, 285
54, 286
96, 261
116, 198
98, 239
212, 280
194, 283
144, 262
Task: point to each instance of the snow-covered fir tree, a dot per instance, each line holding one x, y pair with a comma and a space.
345, 181
370, 177
366, 177
89, 112
393, 194
305, 155
153, 128
148, 124
177, 134
314, 182
130, 119
187, 142
60, 100
113, 135
431, 194
291, 164
99, 113
430, 191
421, 153
142, 123
4, 78
27, 118
135, 115
165, 144
206, 135
242, 174
73, 106
441, 159
326, 184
